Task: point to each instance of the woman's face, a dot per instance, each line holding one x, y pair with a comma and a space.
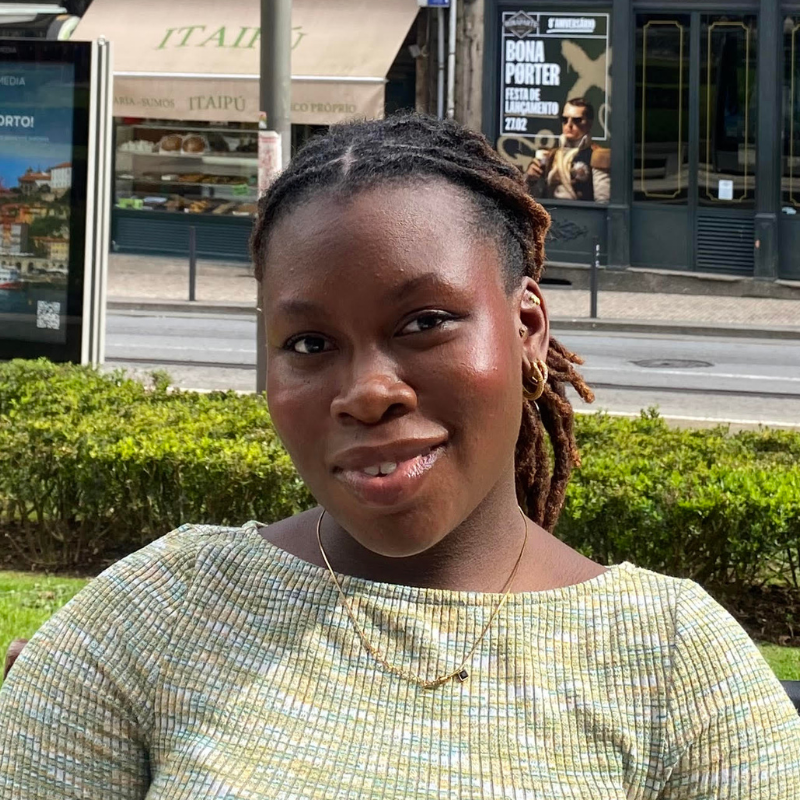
395, 361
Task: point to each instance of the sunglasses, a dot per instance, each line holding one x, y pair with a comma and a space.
574, 120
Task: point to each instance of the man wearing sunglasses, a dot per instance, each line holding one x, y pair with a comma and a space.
578, 169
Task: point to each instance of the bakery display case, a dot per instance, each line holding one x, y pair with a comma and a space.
169, 178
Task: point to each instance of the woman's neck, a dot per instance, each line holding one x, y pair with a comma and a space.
478, 555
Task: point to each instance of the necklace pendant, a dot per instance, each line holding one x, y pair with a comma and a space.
463, 675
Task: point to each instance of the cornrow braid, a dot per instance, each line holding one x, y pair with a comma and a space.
353, 156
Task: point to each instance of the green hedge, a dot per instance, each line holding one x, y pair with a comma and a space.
721, 508
93, 466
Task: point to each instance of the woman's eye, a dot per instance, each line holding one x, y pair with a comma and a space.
308, 345
426, 322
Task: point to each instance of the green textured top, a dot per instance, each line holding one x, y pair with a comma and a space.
212, 664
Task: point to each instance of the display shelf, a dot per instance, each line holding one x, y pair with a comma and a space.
205, 185
216, 159
189, 129
219, 185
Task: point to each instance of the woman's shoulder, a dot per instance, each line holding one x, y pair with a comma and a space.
675, 619
191, 538
682, 600
716, 682
684, 607
158, 576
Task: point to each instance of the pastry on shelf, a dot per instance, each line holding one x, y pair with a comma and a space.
137, 146
194, 144
171, 143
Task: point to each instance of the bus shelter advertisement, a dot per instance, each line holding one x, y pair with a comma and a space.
554, 102
36, 146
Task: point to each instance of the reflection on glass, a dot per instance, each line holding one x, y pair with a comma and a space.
661, 169
727, 110
790, 183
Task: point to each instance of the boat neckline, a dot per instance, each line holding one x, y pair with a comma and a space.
364, 586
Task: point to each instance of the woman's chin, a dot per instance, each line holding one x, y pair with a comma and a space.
397, 533
397, 544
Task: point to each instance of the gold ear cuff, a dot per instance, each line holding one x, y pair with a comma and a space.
533, 298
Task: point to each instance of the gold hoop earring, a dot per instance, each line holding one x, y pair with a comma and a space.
533, 384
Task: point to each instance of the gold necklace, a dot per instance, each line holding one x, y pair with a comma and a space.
459, 672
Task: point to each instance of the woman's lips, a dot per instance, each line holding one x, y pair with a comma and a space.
396, 481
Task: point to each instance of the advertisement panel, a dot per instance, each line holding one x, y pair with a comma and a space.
44, 128
554, 101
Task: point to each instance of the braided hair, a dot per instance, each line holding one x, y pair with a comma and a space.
354, 156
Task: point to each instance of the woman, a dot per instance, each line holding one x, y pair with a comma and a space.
421, 636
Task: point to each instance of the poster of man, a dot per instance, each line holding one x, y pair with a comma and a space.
578, 168
554, 98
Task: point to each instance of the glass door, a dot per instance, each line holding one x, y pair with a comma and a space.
790, 172
695, 155
662, 180
725, 226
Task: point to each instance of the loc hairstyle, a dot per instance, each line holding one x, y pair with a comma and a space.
354, 156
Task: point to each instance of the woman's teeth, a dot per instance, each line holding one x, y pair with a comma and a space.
381, 469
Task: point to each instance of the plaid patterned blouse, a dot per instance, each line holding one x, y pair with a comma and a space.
211, 664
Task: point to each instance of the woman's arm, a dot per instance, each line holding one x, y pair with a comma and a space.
732, 731
76, 712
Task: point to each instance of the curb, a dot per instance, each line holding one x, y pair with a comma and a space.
178, 306
577, 324
673, 328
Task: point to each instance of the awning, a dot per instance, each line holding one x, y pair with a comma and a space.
36, 21
199, 59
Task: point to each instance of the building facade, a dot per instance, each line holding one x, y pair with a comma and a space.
187, 106
61, 177
681, 148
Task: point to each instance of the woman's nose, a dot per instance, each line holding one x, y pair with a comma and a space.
372, 394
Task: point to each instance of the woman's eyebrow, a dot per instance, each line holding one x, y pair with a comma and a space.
298, 306
428, 280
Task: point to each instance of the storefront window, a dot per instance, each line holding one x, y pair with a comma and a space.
790, 182
197, 169
728, 111
661, 161
554, 101
302, 134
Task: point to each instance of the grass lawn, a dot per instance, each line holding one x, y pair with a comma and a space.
27, 600
785, 661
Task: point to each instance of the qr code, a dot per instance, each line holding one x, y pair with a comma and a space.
48, 315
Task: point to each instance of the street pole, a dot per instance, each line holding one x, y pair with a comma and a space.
594, 280
451, 60
440, 61
276, 102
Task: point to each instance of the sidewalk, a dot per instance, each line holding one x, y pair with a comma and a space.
159, 283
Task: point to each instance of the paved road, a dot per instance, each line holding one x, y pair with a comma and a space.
695, 379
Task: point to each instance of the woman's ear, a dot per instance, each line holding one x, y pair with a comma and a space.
534, 326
